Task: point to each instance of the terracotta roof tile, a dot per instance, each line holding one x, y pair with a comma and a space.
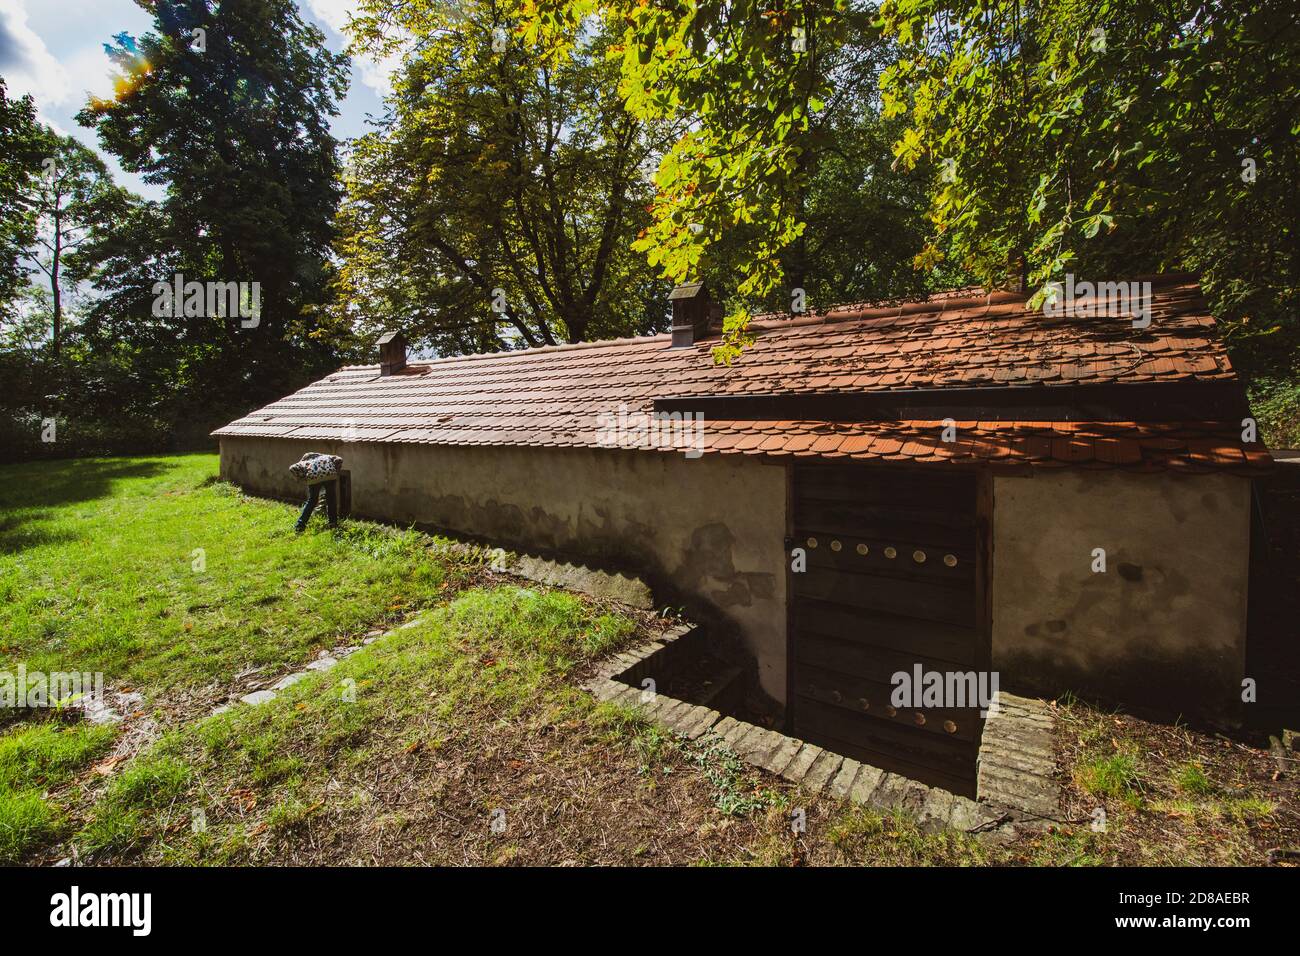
1118, 451
602, 393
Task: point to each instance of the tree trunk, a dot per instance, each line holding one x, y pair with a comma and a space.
576, 323
57, 297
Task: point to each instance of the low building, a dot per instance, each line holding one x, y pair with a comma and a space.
960, 484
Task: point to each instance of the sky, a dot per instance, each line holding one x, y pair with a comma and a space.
54, 50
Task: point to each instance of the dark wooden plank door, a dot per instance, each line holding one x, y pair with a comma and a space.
893, 579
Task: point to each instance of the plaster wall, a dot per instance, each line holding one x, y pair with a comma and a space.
1162, 627
707, 531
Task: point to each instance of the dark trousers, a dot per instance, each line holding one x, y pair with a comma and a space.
331, 503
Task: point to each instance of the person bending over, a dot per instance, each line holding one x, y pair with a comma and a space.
318, 471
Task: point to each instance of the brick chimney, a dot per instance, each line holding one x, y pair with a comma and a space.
392, 353
693, 311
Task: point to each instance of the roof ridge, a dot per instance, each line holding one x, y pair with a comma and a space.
785, 320
937, 303
531, 350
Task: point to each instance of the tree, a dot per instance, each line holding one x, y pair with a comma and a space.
497, 200
863, 220
75, 194
20, 162
227, 106
782, 143
1110, 138
750, 77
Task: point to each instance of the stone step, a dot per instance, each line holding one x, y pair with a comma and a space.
822, 771
1016, 756
722, 684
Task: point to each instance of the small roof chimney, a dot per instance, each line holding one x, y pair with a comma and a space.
392, 353
693, 311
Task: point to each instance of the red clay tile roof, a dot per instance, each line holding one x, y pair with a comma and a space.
564, 396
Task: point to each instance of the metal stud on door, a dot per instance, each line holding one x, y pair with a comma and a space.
895, 588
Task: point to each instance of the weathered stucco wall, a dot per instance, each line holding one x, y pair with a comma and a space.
711, 529
1164, 627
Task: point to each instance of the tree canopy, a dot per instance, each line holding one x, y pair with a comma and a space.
1112, 136
496, 202
21, 142
545, 170
73, 197
227, 107
1109, 138
782, 144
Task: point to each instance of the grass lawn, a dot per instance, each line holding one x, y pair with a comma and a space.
460, 739
467, 719
1172, 796
147, 570
169, 583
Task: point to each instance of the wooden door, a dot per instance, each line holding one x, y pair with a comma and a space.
893, 580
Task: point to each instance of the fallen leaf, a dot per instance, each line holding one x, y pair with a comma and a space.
105, 767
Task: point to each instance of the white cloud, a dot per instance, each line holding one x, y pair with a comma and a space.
90, 73
333, 13
26, 62
376, 74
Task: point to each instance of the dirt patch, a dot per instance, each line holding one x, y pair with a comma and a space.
1171, 795
552, 798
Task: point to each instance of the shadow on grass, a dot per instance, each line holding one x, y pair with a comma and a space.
30, 493
20, 531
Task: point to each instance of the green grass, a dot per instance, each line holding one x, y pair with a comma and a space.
1247, 809
490, 664
26, 821
32, 759
1115, 775
893, 838
47, 754
151, 572
1191, 778
150, 784
161, 578
1171, 796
